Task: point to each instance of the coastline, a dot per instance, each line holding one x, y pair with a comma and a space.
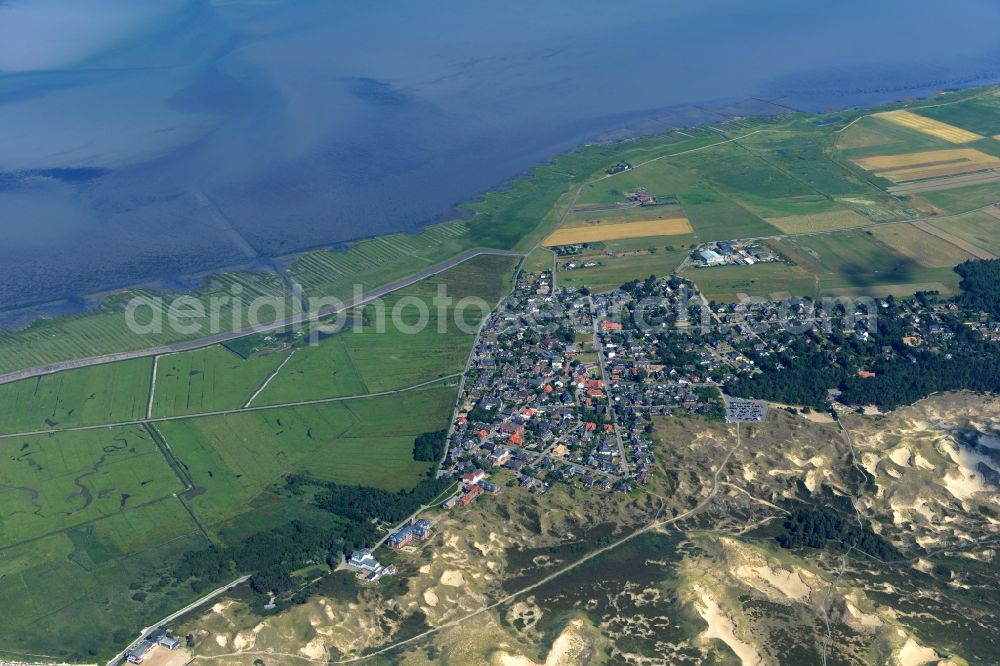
630, 126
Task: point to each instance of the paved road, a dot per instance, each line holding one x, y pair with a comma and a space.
232, 335
173, 616
623, 464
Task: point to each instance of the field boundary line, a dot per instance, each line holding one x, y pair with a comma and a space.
964, 245
267, 380
152, 388
237, 410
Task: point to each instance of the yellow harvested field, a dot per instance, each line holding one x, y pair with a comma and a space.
928, 164
603, 232
930, 126
837, 219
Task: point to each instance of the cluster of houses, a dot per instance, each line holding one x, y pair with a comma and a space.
640, 196
138, 652
560, 390
474, 485
733, 253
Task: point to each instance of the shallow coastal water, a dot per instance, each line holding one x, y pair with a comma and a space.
172, 137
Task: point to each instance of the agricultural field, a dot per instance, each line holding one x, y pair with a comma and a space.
835, 219
539, 261
896, 259
980, 229
321, 371
51, 482
875, 136
624, 260
208, 379
919, 159
716, 217
859, 263
929, 164
587, 215
930, 126
602, 231
964, 199
925, 249
107, 393
979, 114
233, 458
728, 284
366, 358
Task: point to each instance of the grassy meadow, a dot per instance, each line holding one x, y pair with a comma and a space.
209, 379
52, 482
107, 393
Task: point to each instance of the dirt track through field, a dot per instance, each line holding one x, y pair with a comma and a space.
947, 182
974, 250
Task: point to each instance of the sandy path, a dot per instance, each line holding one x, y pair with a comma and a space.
274, 373
974, 250
152, 389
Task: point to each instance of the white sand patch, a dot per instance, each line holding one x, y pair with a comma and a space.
327, 609
965, 481
314, 649
221, 640
426, 569
869, 461
720, 626
810, 481
222, 606
961, 486
430, 597
861, 618
569, 649
788, 583
748, 473
921, 462
923, 565
452, 578
914, 654
795, 460
901, 456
